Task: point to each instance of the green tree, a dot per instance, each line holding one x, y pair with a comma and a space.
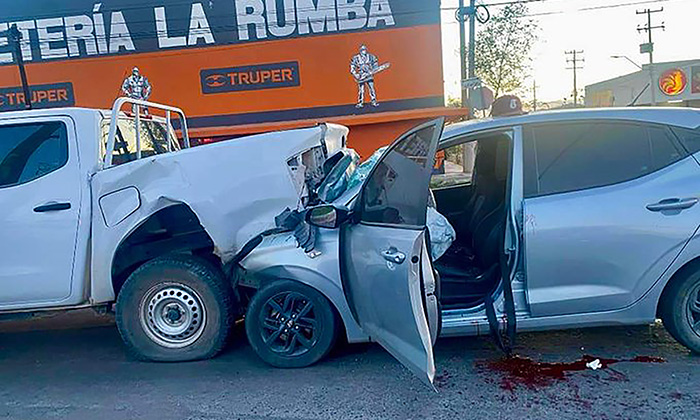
503, 48
454, 102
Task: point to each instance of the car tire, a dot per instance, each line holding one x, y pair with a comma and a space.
675, 308
175, 308
291, 325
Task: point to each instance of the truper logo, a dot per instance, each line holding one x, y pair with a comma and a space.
261, 76
215, 80
42, 96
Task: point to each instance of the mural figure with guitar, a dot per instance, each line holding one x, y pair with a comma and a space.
137, 86
363, 67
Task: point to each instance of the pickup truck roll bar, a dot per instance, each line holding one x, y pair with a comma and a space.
136, 105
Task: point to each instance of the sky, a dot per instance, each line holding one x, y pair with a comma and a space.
599, 33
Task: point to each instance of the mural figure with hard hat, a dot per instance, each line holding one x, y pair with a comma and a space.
136, 86
363, 67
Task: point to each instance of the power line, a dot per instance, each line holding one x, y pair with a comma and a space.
502, 3
67, 12
140, 35
583, 9
233, 27
505, 3
602, 7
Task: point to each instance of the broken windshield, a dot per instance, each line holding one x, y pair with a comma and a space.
338, 177
348, 174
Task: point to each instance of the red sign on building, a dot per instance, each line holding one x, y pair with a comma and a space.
673, 82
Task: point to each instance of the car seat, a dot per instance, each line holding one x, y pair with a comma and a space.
467, 268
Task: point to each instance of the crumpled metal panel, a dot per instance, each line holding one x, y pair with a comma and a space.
279, 257
236, 188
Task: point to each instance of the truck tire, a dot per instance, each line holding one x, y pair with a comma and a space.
291, 325
175, 308
680, 308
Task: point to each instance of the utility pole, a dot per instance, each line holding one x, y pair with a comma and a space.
534, 95
14, 37
462, 51
649, 47
575, 60
472, 37
467, 55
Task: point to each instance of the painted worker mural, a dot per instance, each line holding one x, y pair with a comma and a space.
363, 67
136, 86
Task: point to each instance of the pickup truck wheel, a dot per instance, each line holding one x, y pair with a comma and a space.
290, 325
173, 309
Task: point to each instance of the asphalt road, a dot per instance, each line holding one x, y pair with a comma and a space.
85, 374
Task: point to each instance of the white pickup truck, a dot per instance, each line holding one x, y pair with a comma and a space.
111, 210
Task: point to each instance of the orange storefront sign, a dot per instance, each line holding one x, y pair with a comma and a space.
239, 66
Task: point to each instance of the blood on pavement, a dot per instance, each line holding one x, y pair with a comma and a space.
521, 371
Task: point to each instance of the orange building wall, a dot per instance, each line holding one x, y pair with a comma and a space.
410, 91
324, 72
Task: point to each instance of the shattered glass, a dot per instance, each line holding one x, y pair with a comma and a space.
347, 174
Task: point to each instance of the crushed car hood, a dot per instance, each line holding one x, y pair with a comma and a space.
234, 187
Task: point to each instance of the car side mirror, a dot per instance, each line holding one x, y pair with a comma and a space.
326, 216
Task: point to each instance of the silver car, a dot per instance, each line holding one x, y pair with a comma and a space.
561, 219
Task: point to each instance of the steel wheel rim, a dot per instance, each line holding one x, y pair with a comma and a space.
172, 315
288, 324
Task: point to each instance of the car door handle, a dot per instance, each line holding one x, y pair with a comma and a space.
673, 204
52, 207
394, 255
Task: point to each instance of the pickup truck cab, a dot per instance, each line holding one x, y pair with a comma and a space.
111, 210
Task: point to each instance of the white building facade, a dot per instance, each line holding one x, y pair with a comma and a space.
674, 84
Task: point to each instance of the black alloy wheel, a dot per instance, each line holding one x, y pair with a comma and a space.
291, 325
679, 307
693, 308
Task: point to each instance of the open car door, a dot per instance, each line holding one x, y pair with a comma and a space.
383, 260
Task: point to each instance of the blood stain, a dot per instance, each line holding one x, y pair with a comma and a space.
646, 359
522, 371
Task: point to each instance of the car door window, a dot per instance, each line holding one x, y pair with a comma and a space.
30, 151
576, 156
689, 138
387, 201
454, 166
663, 147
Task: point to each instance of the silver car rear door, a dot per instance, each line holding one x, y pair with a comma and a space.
381, 250
609, 205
